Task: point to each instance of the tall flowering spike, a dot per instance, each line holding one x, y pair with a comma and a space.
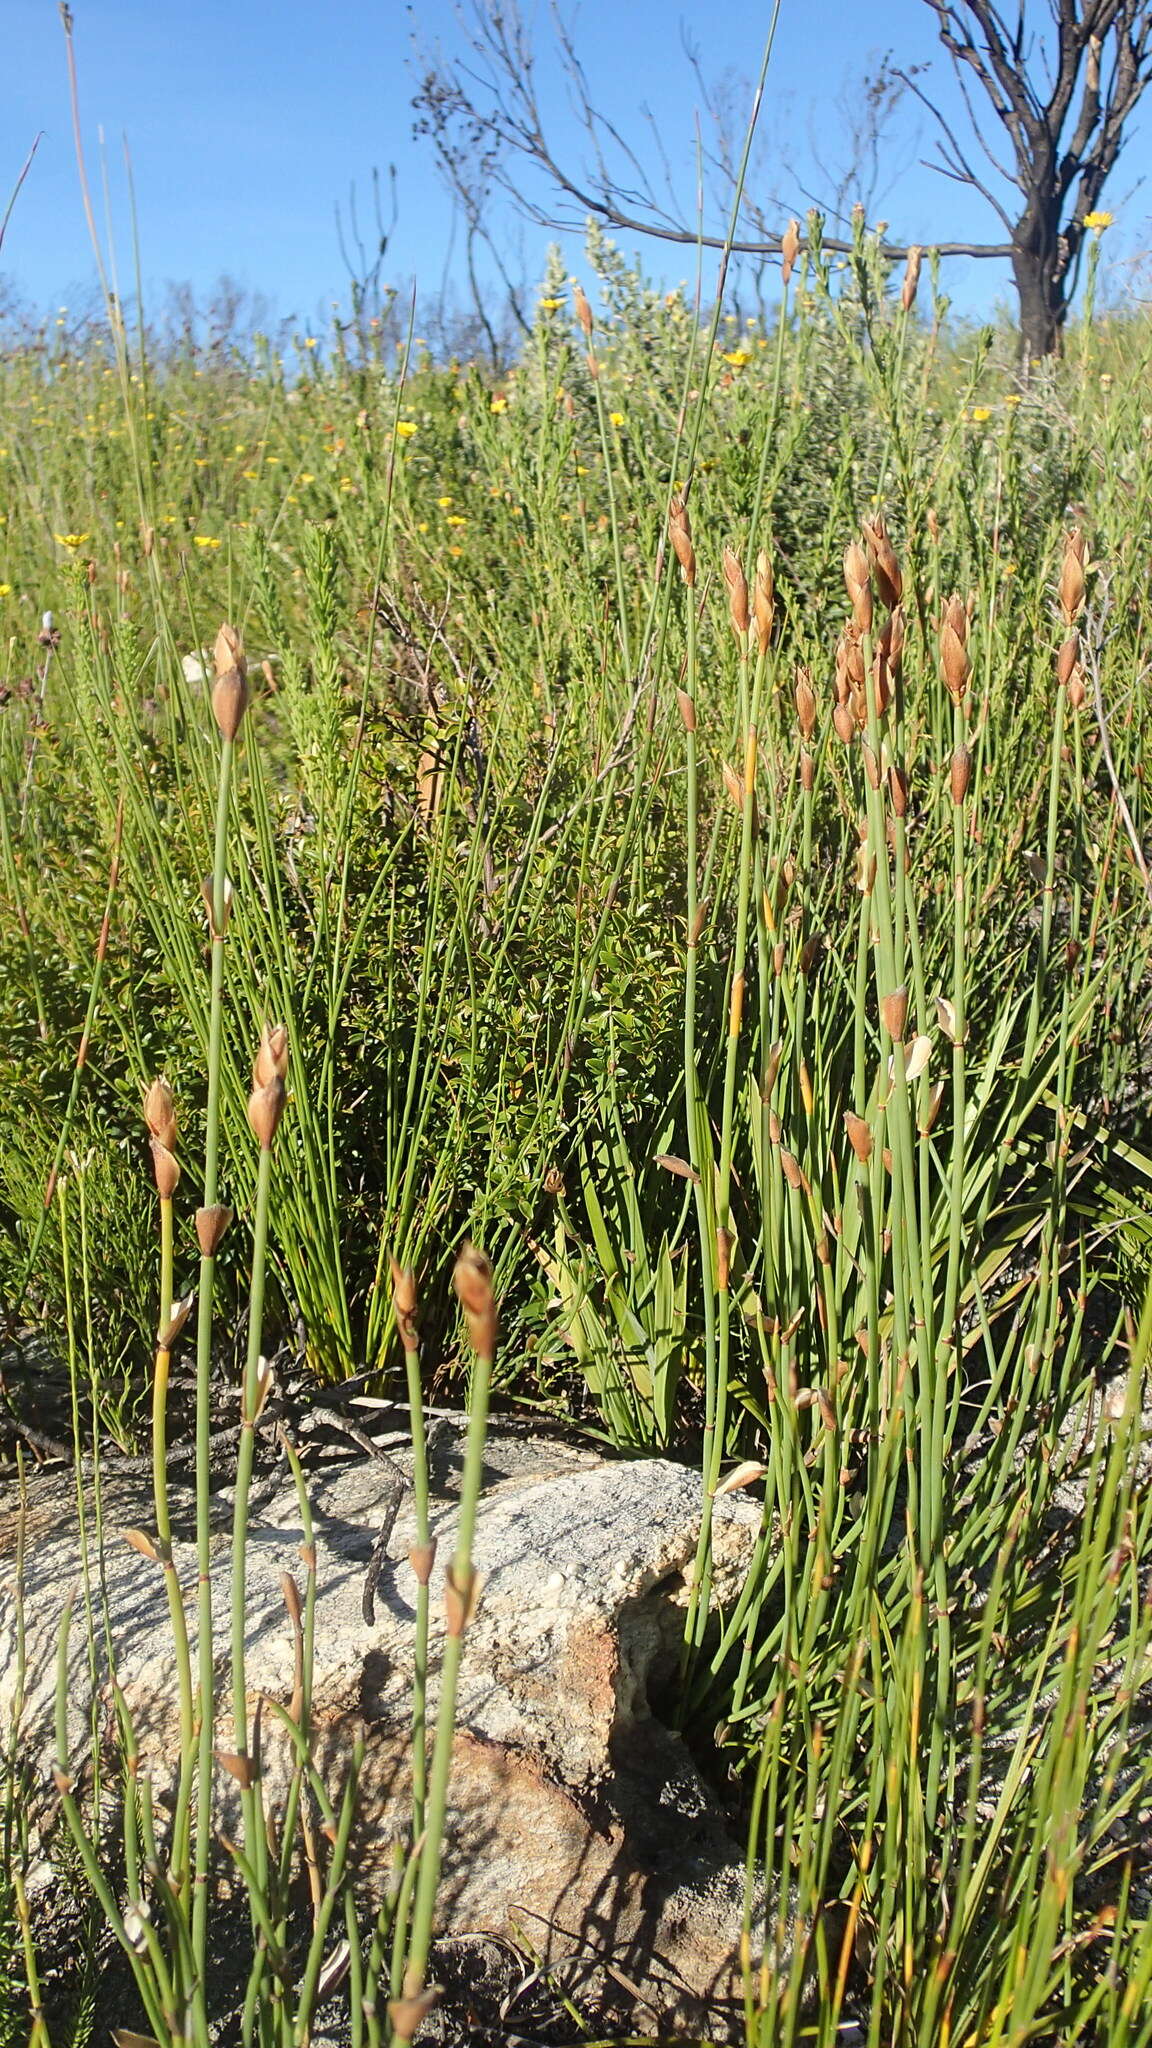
472, 1279
737, 584
230, 690
763, 601
858, 583
1071, 591
680, 534
885, 567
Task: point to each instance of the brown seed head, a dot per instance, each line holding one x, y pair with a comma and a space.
843, 724
911, 278
807, 770
737, 583
271, 1062
891, 642
763, 601
894, 1012
160, 1113
733, 784
472, 1279
405, 1303
960, 774
954, 662
168, 1332
933, 1110
265, 1109
805, 703
680, 534
885, 567
229, 702
791, 1168
583, 311
898, 790
211, 1224
1068, 657
228, 653
166, 1168
1071, 590
687, 710
859, 1136
881, 684
1076, 691
859, 586
789, 249
407, 2013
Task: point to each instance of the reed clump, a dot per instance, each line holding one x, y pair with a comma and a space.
677, 816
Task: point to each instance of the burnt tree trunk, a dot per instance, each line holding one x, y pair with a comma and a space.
1041, 257
1042, 303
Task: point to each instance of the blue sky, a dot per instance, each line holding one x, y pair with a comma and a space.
248, 123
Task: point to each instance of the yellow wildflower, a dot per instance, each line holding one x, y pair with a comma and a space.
550, 305
454, 519
738, 357
309, 341
1011, 398
5, 590
72, 540
405, 429
617, 419
1099, 221
980, 413
445, 502
205, 540
498, 402
306, 477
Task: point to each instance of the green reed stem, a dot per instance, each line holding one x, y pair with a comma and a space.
460, 1602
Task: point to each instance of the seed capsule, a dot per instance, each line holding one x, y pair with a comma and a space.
265, 1109
894, 1012
737, 584
680, 534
